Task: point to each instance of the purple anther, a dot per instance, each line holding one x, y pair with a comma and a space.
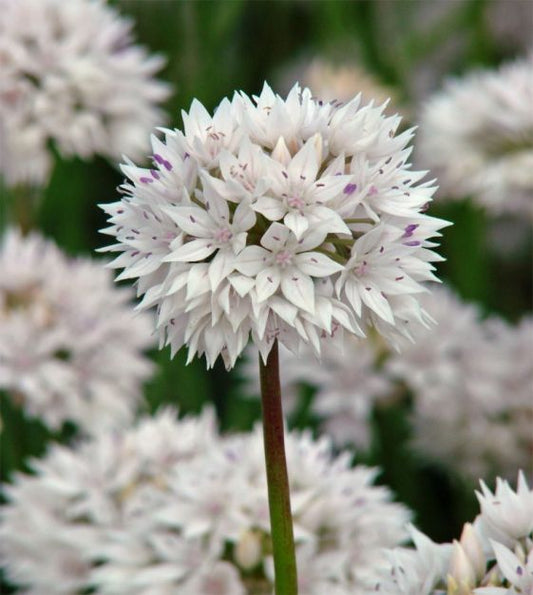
413, 243
350, 188
167, 165
409, 230
158, 158
155, 174
146, 180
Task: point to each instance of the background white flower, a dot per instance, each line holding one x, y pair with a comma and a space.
471, 382
477, 136
71, 75
277, 218
70, 344
170, 505
494, 555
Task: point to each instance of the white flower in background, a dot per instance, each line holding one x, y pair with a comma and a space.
70, 344
170, 506
471, 382
71, 75
477, 136
277, 218
332, 81
494, 555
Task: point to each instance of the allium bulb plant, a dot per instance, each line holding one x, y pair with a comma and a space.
71, 348
72, 76
494, 555
477, 136
169, 506
281, 220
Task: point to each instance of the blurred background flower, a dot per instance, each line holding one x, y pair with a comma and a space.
71, 76
171, 505
71, 347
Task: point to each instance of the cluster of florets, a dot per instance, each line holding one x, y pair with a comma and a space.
470, 380
494, 555
477, 137
171, 506
71, 348
277, 219
71, 75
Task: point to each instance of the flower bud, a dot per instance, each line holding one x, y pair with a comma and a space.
248, 550
461, 573
473, 549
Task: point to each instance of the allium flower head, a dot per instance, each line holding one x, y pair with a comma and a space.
171, 507
477, 135
276, 218
71, 75
70, 345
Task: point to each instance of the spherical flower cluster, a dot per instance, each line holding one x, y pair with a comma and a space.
70, 344
494, 555
280, 219
470, 380
170, 506
477, 135
71, 75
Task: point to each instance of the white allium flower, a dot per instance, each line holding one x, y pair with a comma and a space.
170, 506
471, 382
494, 556
71, 75
277, 218
477, 135
70, 344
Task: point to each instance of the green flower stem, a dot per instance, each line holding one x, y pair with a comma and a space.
277, 476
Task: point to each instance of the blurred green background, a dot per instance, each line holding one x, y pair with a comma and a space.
216, 47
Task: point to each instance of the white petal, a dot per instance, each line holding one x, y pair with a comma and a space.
272, 208
331, 219
353, 294
220, 267
244, 217
281, 153
315, 264
305, 164
252, 260
193, 251
297, 223
192, 220
215, 205
267, 283
241, 284
275, 237
373, 298
283, 309
299, 289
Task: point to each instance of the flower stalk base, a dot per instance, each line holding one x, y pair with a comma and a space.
277, 476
